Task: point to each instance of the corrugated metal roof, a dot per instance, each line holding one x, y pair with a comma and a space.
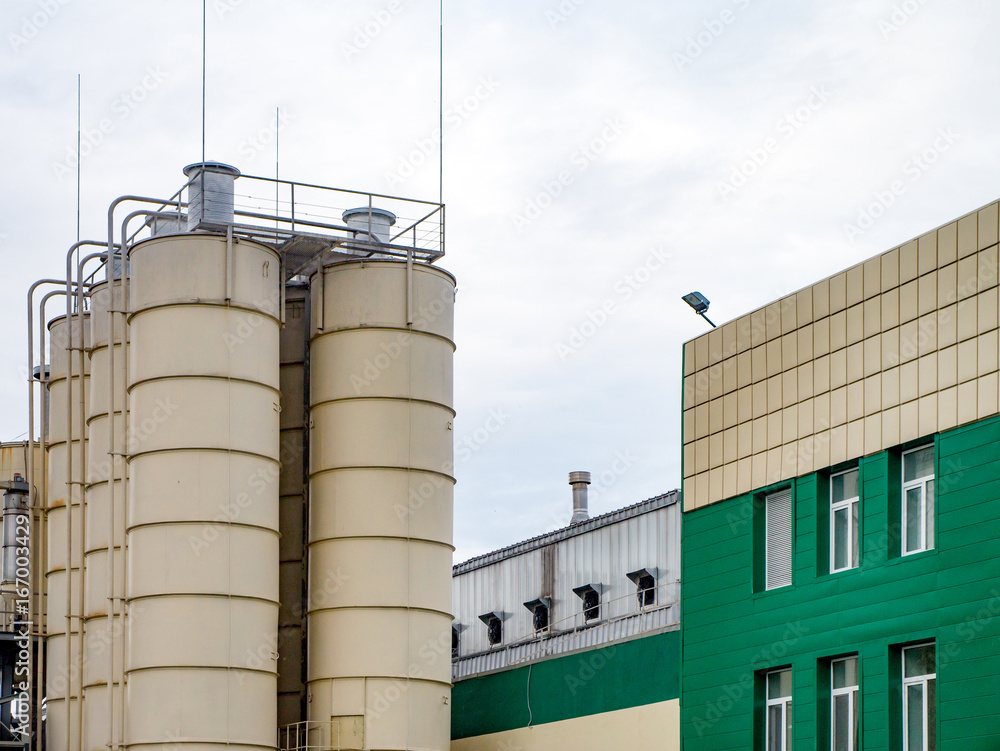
613, 517
601, 635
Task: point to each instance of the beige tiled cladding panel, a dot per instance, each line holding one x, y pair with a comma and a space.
873, 316
804, 343
744, 376
927, 333
855, 285
838, 292
890, 270
729, 380
855, 323
947, 285
986, 310
821, 299
821, 337
789, 316
968, 241
855, 401
806, 381
927, 253
729, 340
758, 363
948, 367
821, 374
772, 321
968, 394
804, 307
908, 267
947, 408
947, 326
901, 346
947, 244
988, 226
927, 371
908, 381
987, 396
689, 359
889, 303
968, 356
789, 387
872, 277
987, 354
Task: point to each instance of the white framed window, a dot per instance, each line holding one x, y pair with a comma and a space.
844, 704
919, 699
778, 539
844, 507
918, 500
778, 724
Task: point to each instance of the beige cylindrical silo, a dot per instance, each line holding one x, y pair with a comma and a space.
292, 483
101, 640
380, 505
202, 540
63, 670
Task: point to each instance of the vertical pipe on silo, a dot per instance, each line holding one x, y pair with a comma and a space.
292, 492
380, 505
105, 470
201, 545
64, 531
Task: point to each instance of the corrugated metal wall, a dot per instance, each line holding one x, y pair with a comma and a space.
602, 557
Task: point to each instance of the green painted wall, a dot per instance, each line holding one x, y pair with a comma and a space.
629, 674
951, 594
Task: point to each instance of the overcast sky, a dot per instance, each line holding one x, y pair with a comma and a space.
601, 160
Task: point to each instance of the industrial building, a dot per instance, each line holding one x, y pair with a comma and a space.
241, 483
841, 509
570, 639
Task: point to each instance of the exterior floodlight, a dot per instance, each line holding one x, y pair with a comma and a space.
699, 303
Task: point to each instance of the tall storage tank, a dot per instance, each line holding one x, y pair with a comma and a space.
62, 676
292, 483
101, 643
202, 540
380, 506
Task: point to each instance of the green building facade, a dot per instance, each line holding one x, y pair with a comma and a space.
841, 526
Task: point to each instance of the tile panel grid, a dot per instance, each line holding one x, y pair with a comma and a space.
901, 345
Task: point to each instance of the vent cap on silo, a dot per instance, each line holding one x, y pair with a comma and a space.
167, 223
370, 219
211, 186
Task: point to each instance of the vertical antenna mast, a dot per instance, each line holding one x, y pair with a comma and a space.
441, 103
277, 159
204, 57
204, 47
79, 117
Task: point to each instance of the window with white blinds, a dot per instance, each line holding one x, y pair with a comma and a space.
778, 539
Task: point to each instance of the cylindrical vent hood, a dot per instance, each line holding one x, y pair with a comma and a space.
373, 223
210, 195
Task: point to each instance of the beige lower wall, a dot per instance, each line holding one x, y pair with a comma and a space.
652, 727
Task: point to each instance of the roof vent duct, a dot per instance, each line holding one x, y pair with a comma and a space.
579, 481
210, 195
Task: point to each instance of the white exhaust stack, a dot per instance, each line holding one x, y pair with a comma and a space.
579, 482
